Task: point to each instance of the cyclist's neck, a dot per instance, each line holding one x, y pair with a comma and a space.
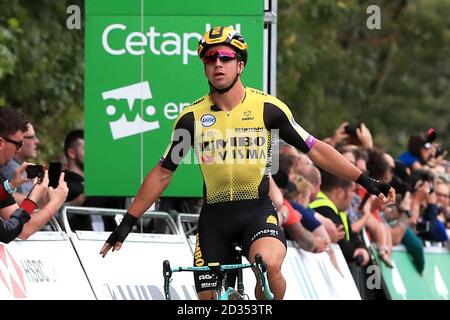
229, 100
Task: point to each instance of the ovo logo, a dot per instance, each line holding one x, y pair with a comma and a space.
123, 106
11, 274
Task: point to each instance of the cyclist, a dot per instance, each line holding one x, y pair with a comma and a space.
231, 130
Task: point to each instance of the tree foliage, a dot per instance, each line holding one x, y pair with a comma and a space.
332, 68
41, 68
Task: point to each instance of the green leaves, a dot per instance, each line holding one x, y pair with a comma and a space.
331, 68
41, 68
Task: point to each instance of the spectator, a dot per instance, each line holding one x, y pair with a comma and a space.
17, 220
27, 152
74, 151
299, 199
313, 176
334, 198
291, 218
419, 152
398, 218
380, 165
442, 201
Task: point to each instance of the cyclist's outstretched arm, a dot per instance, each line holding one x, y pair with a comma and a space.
326, 157
151, 189
156, 180
278, 116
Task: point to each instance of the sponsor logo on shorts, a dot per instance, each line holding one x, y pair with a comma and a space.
205, 277
265, 233
198, 257
272, 219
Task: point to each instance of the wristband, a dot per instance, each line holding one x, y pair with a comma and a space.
28, 205
8, 188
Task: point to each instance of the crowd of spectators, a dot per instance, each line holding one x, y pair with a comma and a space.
350, 217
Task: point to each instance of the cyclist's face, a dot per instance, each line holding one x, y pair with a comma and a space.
222, 66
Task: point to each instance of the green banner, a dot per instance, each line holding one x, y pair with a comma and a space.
405, 283
142, 69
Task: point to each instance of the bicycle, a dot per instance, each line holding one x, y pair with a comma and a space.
224, 292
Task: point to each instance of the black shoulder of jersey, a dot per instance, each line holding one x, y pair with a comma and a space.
197, 101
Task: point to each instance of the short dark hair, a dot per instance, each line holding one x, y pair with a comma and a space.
331, 182
416, 143
377, 164
72, 138
286, 162
11, 121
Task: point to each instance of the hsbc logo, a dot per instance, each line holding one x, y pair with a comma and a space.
130, 110
11, 275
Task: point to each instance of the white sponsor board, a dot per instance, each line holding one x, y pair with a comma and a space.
135, 272
312, 276
44, 267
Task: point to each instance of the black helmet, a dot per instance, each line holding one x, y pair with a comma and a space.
226, 36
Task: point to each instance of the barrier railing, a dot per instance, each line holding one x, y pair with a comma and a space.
136, 271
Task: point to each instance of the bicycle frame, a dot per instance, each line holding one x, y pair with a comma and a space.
223, 291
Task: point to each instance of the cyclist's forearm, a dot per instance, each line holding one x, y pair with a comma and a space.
151, 189
326, 157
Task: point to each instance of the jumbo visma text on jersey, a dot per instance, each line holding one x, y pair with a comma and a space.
234, 148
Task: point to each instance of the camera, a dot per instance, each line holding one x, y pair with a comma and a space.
34, 171
423, 227
350, 129
439, 151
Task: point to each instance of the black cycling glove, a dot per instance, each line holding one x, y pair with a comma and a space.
122, 230
373, 186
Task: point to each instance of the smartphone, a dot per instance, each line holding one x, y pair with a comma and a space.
34, 171
54, 171
350, 129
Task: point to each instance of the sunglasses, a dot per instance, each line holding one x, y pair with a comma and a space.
18, 144
222, 55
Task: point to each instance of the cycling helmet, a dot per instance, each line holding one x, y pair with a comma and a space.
226, 36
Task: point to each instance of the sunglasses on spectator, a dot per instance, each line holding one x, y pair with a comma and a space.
18, 144
222, 55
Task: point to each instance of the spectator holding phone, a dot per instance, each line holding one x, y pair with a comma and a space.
349, 133
20, 220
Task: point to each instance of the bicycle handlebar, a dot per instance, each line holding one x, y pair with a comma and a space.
259, 265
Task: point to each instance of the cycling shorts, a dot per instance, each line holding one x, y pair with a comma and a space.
222, 226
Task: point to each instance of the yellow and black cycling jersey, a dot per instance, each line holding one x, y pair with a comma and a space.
234, 148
